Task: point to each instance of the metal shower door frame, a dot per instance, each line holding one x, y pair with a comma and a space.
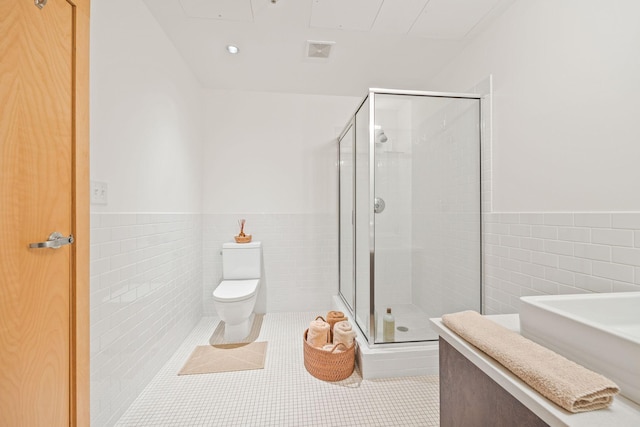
370, 336
371, 96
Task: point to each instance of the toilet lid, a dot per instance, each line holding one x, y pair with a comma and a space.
235, 290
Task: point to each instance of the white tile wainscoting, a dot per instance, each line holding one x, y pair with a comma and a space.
539, 253
146, 297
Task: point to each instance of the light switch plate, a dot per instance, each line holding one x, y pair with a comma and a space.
99, 192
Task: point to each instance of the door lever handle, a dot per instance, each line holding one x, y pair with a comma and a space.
55, 241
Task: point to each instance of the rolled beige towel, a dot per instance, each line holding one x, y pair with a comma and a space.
567, 384
319, 333
343, 333
334, 317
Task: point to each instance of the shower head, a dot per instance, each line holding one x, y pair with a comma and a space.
380, 136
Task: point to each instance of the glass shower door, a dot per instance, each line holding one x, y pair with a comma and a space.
427, 220
355, 218
346, 170
362, 216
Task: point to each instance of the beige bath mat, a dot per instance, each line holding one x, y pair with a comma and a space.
207, 359
218, 334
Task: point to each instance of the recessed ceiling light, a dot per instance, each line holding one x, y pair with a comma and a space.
232, 49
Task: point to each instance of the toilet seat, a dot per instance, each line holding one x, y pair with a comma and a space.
235, 290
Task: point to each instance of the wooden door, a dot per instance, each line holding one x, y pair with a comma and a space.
43, 188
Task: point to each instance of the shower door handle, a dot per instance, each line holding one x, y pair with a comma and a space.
55, 241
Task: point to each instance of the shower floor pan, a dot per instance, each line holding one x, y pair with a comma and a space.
411, 324
393, 360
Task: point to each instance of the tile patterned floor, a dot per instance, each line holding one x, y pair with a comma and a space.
281, 394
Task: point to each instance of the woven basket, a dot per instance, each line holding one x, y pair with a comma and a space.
243, 239
329, 365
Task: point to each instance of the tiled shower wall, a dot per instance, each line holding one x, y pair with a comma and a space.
146, 296
300, 253
558, 253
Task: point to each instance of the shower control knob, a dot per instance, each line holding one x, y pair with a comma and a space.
378, 205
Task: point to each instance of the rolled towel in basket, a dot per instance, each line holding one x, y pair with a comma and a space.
334, 317
343, 333
318, 334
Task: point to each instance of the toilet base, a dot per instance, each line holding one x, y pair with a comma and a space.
239, 331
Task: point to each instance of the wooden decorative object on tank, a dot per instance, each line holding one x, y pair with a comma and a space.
241, 237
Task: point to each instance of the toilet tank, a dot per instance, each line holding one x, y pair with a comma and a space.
241, 261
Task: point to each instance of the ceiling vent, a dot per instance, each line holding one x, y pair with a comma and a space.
318, 49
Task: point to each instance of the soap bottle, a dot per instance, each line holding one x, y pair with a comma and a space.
388, 327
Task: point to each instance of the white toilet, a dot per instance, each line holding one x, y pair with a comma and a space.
235, 297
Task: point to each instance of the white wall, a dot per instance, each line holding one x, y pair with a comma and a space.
272, 152
535, 253
565, 148
566, 97
146, 263
146, 114
271, 158
146, 296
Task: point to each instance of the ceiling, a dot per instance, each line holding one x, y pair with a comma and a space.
375, 43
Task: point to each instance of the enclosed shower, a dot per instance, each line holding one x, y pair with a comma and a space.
409, 211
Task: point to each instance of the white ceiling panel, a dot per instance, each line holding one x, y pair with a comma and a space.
356, 15
451, 19
397, 16
266, 10
228, 10
272, 39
